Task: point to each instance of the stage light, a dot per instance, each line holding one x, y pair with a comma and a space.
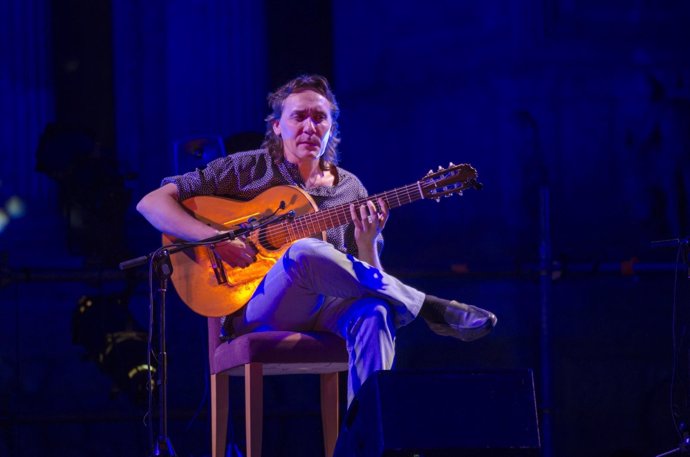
124, 359
4, 220
15, 207
105, 328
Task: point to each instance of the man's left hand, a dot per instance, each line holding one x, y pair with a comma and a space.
369, 221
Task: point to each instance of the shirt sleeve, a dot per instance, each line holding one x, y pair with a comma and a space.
204, 181
241, 175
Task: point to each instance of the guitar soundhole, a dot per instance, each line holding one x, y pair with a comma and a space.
273, 237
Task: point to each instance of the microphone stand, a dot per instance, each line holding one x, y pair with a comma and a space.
681, 243
163, 269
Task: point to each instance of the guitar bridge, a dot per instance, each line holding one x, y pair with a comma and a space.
217, 266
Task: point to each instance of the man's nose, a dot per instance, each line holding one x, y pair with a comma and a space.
309, 126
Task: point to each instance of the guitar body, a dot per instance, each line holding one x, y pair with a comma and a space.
210, 286
213, 288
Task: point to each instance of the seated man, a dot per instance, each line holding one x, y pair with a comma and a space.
337, 286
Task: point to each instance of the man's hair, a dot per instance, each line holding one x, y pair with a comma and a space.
276, 101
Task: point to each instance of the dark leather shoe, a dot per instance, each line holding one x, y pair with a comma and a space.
463, 321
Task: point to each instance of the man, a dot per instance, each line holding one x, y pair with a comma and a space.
337, 286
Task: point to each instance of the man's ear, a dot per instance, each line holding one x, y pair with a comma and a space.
276, 127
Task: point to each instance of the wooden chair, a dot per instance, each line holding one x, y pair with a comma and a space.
271, 353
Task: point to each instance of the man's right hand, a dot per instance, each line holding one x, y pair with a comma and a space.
237, 253
161, 207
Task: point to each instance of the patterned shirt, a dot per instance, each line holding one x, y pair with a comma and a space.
244, 175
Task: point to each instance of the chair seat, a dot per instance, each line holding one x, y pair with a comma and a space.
282, 352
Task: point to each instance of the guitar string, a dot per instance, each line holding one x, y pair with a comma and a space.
312, 223
315, 222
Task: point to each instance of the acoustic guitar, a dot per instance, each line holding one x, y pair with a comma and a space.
212, 288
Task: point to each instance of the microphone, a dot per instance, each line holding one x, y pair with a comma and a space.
131, 263
222, 236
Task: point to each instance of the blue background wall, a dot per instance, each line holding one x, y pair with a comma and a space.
589, 100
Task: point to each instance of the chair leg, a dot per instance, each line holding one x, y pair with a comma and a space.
220, 386
253, 407
330, 416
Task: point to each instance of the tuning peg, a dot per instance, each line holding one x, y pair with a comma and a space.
438, 199
440, 168
459, 193
451, 164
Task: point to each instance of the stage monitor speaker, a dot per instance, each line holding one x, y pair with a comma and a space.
442, 414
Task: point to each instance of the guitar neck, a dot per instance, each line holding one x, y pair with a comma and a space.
313, 223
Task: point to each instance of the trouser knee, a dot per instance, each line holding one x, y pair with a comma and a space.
304, 253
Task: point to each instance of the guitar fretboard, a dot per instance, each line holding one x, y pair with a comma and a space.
316, 222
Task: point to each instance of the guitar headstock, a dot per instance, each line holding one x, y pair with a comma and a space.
452, 180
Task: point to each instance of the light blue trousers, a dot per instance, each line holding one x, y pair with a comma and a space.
315, 287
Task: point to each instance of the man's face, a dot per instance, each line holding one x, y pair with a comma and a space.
304, 126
